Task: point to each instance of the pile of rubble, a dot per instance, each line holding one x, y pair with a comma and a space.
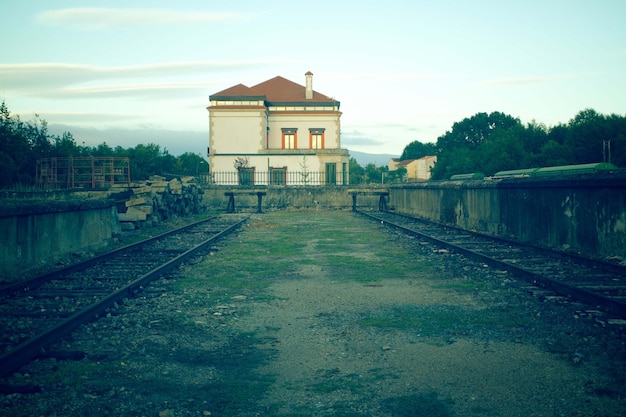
145, 204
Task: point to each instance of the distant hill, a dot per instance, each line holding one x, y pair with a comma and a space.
379, 159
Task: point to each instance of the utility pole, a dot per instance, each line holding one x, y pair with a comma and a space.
606, 151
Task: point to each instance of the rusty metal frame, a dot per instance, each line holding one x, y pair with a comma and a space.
82, 172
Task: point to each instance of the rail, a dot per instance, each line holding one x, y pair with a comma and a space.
19, 355
608, 278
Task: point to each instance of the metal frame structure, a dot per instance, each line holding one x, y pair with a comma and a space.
82, 172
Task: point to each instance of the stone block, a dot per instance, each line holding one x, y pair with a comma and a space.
144, 208
132, 215
142, 190
136, 201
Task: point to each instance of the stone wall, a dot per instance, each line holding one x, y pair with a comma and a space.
585, 214
313, 197
38, 233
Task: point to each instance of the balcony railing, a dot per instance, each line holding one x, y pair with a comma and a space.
250, 177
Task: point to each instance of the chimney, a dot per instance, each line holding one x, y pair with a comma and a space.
309, 86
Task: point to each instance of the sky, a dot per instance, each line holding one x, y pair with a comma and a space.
131, 72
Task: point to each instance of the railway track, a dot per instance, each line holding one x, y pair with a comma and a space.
595, 283
37, 312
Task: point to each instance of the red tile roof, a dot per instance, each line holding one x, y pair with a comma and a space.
239, 90
277, 89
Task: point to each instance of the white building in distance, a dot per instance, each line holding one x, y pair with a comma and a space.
276, 133
416, 169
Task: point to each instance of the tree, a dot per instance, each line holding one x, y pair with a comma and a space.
471, 132
16, 149
147, 160
372, 174
532, 137
65, 146
615, 137
357, 173
105, 150
461, 161
458, 150
586, 132
553, 153
502, 151
417, 150
190, 163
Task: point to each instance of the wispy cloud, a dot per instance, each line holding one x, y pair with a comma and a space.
355, 137
63, 79
171, 90
515, 81
176, 142
83, 117
96, 18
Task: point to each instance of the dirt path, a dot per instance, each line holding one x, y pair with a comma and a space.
328, 360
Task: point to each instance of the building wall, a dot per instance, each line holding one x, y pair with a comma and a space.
424, 165
244, 133
236, 131
303, 122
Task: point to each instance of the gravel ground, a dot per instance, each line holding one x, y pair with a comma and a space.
317, 313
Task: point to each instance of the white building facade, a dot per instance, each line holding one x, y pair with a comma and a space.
276, 133
416, 169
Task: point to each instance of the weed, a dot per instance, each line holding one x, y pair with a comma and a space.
444, 320
418, 405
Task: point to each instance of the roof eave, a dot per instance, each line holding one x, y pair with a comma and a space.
307, 103
236, 98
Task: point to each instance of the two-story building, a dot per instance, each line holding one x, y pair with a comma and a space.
276, 133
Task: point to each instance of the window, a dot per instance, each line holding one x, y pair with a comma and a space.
316, 138
290, 138
278, 176
289, 141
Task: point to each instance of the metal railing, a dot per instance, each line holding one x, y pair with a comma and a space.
251, 177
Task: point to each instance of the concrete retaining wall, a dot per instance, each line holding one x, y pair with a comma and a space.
335, 198
585, 214
38, 233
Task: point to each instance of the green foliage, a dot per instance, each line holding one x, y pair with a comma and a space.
494, 142
417, 150
357, 173
190, 163
482, 143
22, 144
460, 150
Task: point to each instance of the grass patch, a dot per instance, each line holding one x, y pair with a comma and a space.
465, 285
335, 382
444, 320
223, 379
72, 373
418, 405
